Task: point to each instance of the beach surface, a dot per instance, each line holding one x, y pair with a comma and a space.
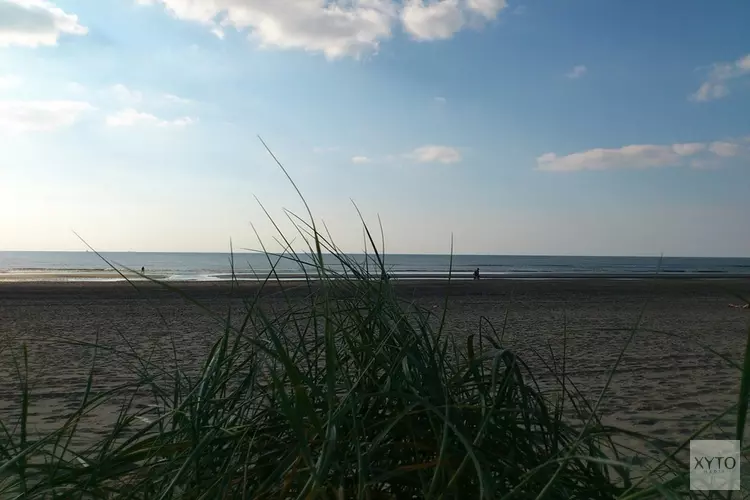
667, 384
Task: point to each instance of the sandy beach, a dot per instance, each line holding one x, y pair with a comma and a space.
666, 385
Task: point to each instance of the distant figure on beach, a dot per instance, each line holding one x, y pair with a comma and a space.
476, 273
143, 269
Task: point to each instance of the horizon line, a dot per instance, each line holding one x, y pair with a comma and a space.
360, 252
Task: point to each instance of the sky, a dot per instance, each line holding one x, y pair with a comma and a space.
572, 127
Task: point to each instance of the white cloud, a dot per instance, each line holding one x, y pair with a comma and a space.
176, 99
725, 149
688, 149
34, 23
640, 156
435, 154
131, 117
40, 116
130, 97
181, 122
361, 160
335, 28
577, 72
440, 100
488, 8
124, 94
710, 91
635, 156
716, 85
9, 82
441, 19
432, 21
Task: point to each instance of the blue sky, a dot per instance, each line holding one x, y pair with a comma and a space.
520, 127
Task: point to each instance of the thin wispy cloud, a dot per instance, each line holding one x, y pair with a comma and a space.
35, 23
360, 160
40, 116
434, 154
335, 28
129, 97
644, 156
131, 117
431, 153
689, 149
577, 72
125, 94
177, 99
720, 78
440, 100
725, 149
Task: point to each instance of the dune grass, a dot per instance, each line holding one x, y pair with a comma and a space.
347, 392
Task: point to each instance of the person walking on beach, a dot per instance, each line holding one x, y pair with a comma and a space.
476, 274
143, 269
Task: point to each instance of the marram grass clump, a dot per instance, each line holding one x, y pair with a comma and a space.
350, 395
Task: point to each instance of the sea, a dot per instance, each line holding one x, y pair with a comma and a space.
115, 266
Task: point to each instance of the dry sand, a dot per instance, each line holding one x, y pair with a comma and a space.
666, 384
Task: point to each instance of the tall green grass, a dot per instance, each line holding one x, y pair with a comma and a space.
345, 392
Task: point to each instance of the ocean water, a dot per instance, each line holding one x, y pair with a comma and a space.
67, 266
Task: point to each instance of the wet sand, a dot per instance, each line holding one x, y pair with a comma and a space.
666, 385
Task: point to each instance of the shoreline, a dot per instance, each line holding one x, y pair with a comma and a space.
566, 289
62, 277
